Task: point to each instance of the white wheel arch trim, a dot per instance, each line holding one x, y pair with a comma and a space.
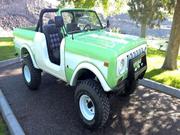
93, 69
31, 55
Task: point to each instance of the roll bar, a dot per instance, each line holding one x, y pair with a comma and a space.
40, 21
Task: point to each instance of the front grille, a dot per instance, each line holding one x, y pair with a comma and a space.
136, 52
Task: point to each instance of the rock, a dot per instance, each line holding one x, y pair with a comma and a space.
22, 13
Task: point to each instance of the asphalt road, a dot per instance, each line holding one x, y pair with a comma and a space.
51, 110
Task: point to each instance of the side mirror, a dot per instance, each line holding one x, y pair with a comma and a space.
108, 24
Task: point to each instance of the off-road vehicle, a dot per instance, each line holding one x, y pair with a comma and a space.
74, 46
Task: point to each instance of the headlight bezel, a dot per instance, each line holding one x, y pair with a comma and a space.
121, 64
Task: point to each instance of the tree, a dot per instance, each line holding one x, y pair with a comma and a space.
109, 7
174, 40
83, 3
151, 13
146, 13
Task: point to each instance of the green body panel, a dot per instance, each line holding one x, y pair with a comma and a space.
69, 74
103, 46
25, 33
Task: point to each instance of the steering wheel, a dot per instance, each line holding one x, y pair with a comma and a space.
87, 27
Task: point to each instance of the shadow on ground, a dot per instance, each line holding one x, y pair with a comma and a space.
154, 72
51, 110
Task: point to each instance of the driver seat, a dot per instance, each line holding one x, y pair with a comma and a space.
54, 37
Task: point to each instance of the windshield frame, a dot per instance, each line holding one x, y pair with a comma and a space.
82, 10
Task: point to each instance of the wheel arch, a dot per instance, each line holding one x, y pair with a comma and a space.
26, 51
93, 71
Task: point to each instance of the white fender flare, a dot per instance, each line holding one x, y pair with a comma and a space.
31, 55
93, 69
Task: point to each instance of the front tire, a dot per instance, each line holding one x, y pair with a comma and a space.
31, 75
92, 103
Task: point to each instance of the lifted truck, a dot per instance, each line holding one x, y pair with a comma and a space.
74, 47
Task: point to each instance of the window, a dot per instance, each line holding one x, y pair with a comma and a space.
79, 21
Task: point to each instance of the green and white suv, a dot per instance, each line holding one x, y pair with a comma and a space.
73, 45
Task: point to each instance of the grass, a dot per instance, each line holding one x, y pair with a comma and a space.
3, 128
7, 50
6, 41
155, 59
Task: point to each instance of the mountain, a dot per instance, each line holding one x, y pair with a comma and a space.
21, 13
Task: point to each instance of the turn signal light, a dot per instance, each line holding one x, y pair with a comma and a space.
106, 64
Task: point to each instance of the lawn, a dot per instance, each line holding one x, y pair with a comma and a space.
155, 60
3, 128
6, 41
7, 50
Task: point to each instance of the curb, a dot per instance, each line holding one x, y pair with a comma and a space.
9, 117
160, 87
9, 62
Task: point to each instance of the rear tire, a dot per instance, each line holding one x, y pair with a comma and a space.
92, 103
31, 75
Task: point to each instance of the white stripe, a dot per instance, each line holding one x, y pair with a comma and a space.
121, 41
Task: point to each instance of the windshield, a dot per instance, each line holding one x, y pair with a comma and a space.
79, 21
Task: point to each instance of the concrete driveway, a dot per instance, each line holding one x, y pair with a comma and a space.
51, 110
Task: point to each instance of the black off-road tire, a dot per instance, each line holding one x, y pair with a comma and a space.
35, 74
100, 100
130, 88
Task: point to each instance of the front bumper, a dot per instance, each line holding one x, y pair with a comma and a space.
133, 73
